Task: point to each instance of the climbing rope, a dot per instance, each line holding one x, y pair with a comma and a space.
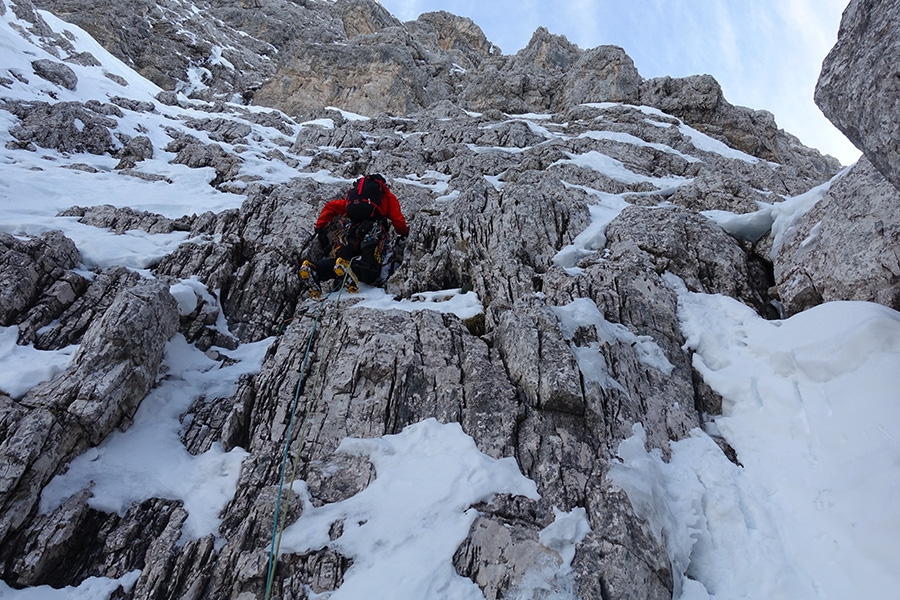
281, 515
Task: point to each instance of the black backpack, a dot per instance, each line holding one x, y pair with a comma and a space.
364, 199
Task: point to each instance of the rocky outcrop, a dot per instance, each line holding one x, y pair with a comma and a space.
699, 101
110, 374
65, 126
165, 43
860, 83
459, 37
551, 74
31, 271
352, 54
566, 226
847, 247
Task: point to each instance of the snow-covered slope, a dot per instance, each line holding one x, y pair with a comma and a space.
516, 417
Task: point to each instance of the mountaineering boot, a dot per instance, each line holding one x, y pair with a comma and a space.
342, 269
308, 275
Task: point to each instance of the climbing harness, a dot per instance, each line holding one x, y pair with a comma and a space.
281, 515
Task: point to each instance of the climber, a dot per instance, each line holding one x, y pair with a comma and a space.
360, 225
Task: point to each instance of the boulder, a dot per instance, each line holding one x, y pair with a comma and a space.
859, 86
55, 72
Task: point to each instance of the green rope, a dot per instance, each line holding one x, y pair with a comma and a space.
281, 515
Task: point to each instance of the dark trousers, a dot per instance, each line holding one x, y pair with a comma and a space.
362, 246
366, 270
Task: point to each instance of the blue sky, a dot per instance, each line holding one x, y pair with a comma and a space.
766, 54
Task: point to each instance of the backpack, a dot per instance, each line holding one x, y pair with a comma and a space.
364, 199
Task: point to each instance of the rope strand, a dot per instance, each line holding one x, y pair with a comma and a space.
281, 515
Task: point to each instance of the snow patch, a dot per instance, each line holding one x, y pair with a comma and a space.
92, 588
402, 530
23, 367
149, 461
464, 305
583, 313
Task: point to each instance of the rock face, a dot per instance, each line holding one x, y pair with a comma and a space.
847, 247
860, 83
109, 376
564, 224
301, 56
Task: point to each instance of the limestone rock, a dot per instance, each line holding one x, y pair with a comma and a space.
859, 87
196, 154
110, 374
146, 37
362, 17
65, 126
699, 101
380, 72
688, 245
551, 74
30, 269
492, 198
55, 72
846, 248
120, 220
79, 315
460, 37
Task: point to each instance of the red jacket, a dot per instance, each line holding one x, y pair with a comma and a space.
390, 208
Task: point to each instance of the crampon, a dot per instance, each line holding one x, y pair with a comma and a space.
342, 270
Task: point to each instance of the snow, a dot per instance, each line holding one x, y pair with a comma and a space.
463, 305
701, 141
615, 169
23, 367
583, 313
565, 533
593, 238
781, 218
627, 138
92, 588
403, 529
431, 180
810, 404
148, 460
350, 116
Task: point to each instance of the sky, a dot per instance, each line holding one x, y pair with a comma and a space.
766, 54
809, 403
